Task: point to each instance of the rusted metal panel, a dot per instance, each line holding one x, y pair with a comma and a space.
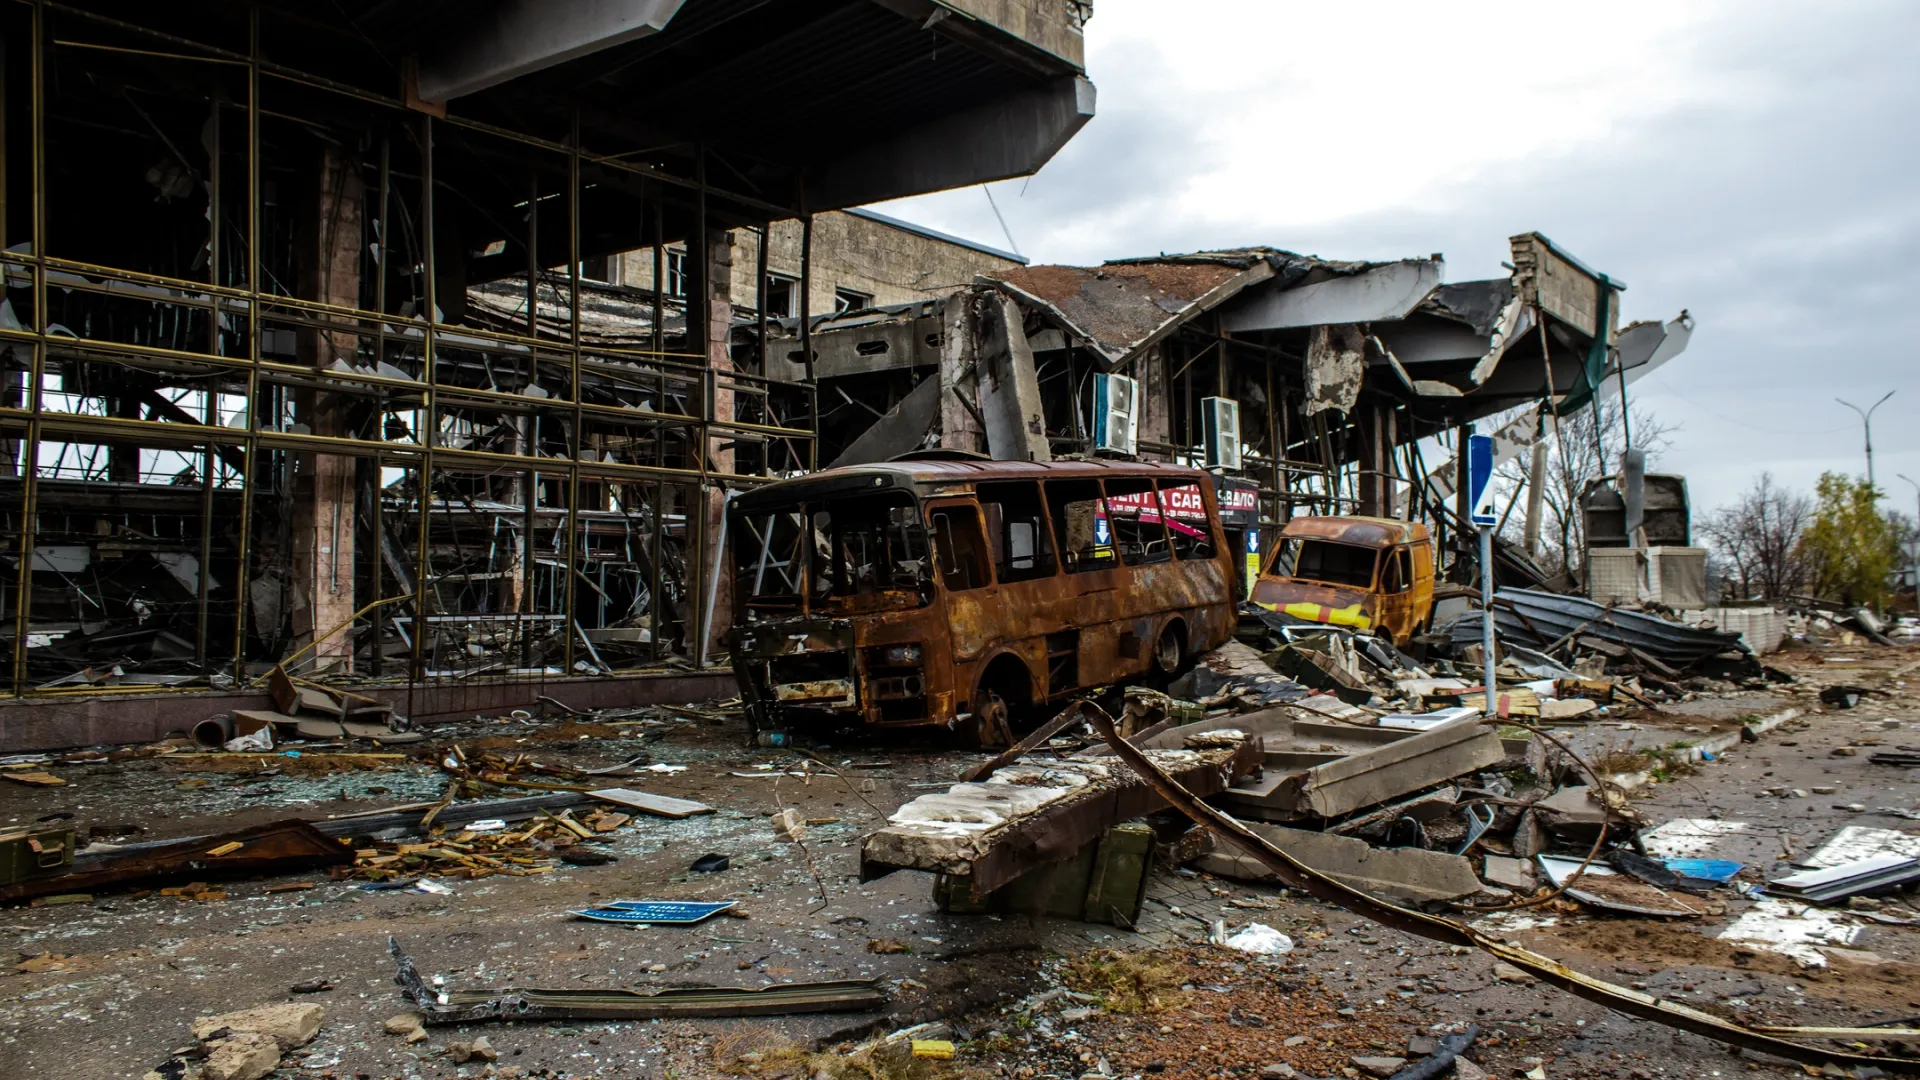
1359, 531
276, 848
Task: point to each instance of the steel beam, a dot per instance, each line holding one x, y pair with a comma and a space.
1012, 136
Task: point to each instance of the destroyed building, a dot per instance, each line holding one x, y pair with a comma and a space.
1306, 385
306, 360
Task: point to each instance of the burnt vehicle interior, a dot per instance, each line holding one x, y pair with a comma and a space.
857, 554
1325, 561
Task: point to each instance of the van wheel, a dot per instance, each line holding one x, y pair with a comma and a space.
991, 727
1169, 651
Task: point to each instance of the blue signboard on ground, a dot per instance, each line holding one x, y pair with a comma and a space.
664, 912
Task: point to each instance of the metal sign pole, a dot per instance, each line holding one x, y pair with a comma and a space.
1486, 612
1480, 491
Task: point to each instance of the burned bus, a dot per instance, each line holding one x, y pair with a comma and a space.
944, 589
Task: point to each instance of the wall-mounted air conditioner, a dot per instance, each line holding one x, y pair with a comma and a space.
1116, 413
1220, 419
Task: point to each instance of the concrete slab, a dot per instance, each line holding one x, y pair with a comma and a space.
1406, 874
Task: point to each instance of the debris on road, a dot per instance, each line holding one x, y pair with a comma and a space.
437, 1006
264, 850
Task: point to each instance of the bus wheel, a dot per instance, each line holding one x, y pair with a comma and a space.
991, 727
1169, 651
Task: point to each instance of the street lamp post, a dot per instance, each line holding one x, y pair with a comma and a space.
1866, 423
1913, 546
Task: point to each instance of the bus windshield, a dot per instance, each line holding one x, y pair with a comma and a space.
841, 556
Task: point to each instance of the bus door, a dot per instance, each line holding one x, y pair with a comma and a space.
1090, 565
963, 563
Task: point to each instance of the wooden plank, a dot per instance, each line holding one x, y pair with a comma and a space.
658, 805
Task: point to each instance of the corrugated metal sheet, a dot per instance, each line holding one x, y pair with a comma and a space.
1536, 619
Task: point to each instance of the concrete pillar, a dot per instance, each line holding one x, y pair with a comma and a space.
959, 379
1009, 385
1156, 402
719, 312
1536, 495
329, 245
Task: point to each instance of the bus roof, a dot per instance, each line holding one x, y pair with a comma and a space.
914, 473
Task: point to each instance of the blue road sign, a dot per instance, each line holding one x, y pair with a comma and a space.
1480, 479
667, 912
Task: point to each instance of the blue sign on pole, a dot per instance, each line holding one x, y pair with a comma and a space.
1480, 479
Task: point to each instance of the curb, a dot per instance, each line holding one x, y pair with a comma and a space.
1712, 744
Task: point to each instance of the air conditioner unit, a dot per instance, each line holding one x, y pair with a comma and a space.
1116, 413
1220, 417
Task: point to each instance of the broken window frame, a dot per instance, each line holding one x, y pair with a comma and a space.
995, 498
1061, 510
1286, 561
962, 554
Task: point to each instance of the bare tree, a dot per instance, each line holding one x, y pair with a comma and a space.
1758, 538
1585, 447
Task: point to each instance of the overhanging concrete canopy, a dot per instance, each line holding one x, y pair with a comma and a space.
1011, 136
516, 37
1381, 293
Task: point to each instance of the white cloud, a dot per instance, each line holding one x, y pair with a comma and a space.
1752, 162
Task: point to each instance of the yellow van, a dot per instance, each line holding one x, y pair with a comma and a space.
1371, 574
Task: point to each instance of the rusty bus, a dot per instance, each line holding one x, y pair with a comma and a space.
1371, 574
943, 589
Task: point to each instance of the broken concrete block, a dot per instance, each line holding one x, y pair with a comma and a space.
1529, 837
477, 1050
1509, 873
1407, 874
1575, 805
1378, 1066
289, 1025
403, 1024
1279, 1071
1566, 708
1467, 1070
788, 825
244, 1055
1506, 972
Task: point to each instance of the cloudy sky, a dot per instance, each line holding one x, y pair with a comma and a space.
1757, 163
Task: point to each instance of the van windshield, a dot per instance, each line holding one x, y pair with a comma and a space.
1326, 561
844, 556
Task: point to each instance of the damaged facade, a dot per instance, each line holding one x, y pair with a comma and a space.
1306, 386
314, 355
